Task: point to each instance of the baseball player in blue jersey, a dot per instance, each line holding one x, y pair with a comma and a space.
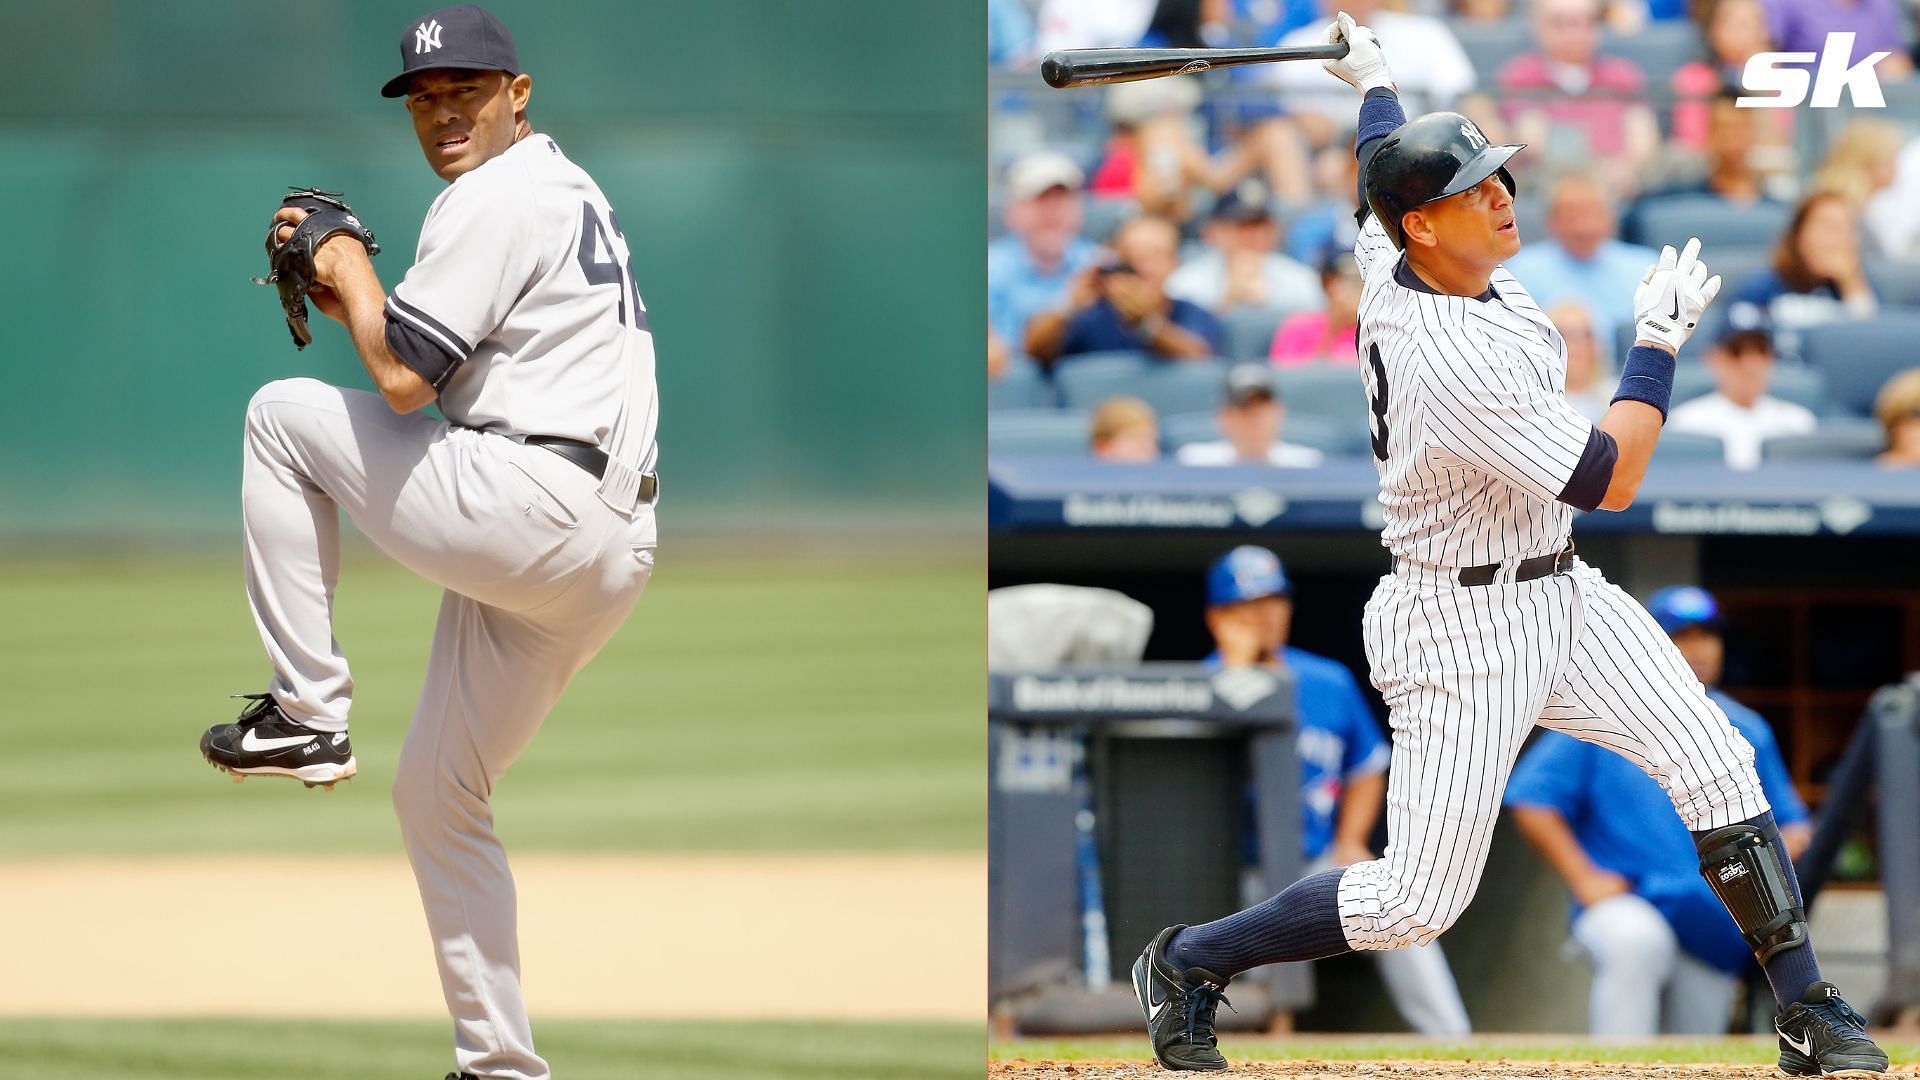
1488, 623
1666, 957
1343, 759
532, 503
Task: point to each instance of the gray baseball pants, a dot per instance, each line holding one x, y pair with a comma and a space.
539, 572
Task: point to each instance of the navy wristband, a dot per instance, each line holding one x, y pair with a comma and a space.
1647, 377
1380, 114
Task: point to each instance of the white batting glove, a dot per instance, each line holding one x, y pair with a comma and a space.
1364, 67
1671, 295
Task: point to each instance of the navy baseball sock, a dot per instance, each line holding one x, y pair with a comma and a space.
1790, 971
1302, 923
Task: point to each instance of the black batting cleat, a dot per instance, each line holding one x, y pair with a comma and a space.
265, 741
1179, 1007
462, 1076
1821, 1035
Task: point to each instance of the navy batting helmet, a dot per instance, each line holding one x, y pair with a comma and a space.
1246, 573
1438, 155
1677, 607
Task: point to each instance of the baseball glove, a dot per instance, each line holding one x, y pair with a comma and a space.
290, 264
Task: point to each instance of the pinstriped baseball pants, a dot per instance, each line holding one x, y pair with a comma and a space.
1466, 673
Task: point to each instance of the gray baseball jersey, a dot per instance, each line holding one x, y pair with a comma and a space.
521, 310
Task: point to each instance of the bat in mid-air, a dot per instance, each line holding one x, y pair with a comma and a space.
1088, 67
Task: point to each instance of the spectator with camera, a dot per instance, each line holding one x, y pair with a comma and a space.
1121, 304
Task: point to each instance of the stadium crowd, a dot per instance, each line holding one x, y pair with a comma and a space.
1169, 271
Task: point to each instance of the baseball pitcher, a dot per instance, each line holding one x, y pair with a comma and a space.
532, 503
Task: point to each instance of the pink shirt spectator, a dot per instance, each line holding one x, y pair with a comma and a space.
1309, 337
1613, 89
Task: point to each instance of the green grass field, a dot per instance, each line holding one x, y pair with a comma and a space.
326, 1050
752, 703
1756, 1050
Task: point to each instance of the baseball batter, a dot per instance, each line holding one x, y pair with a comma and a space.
531, 503
1487, 623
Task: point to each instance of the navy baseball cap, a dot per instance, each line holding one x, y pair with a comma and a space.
463, 36
1246, 573
1680, 606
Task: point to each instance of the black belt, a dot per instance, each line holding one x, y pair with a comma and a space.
593, 459
1537, 567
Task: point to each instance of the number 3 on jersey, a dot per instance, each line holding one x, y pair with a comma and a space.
1377, 404
601, 263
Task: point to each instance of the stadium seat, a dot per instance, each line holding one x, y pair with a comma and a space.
1250, 330
1491, 44
1677, 447
1329, 390
1859, 357
1659, 47
1106, 215
1857, 441
1086, 380
1037, 432
1182, 428
1719, 225
1181, 386
1022, 387
1323, 433
1735, 266
1797, 383
1897, 281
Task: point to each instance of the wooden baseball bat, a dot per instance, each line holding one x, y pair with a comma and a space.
1089, 67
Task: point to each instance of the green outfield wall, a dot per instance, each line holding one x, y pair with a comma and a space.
801, 184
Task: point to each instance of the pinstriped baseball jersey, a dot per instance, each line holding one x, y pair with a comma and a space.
522, 310
1472, 433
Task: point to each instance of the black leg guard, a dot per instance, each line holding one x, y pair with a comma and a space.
1742, 865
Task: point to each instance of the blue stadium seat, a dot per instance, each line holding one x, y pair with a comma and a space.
1677, 447
1250, 330
1181, 386
1835, 441
1896, 280
1735, 265
1039, 432
1329, 390
1491, 44
1323, 433
1022, 387
1106, 215
1659, 47
1086, 380
1182, 428
1859, 357
1797, 383
1719, 225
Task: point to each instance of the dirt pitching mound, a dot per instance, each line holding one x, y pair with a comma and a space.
1382, 1070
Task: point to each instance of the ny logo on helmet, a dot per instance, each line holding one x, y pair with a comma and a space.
1473, 136
426, 37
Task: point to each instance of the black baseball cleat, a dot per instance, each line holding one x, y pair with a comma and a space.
1821, 1035
265, 741
462, 1076
1179, 1007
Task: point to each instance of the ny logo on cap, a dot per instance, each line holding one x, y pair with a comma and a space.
1473, 136
426, 37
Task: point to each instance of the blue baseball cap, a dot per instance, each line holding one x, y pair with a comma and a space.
464, 36
1680, 606
1246, 573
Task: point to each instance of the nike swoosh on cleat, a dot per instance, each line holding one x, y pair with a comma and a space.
252, 741
1805, 1048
